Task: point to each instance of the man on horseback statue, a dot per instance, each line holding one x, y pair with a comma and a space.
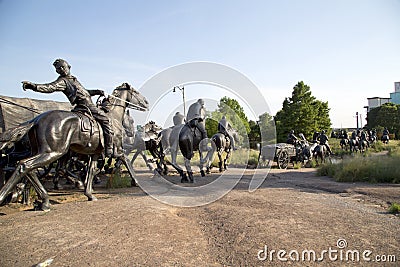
385, 135
225, 127
196, 117
292, 139
323, 140
78, 96
178, 118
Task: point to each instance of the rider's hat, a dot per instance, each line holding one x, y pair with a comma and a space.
59, 61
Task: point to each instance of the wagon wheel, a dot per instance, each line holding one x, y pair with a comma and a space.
283, 159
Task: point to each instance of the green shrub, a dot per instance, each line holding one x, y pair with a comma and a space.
118, 180
394, 208
374, 169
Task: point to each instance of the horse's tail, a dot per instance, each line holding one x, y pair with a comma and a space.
13, 135
186, 144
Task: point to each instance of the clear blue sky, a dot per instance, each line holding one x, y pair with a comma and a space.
345, 50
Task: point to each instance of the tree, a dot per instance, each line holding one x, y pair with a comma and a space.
234, 113
387, 115
267, 128
232, 109
303, 113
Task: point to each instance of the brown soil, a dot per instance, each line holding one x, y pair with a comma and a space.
293, 210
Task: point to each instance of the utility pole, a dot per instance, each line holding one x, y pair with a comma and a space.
357, 119
183, 96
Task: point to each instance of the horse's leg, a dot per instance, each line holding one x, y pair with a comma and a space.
146, 160
174, 155
59, 172
135, 156
24, 167
89, 178
189, 170
11, 183
220, 160
157, 157
129, 167
162, 154
39, 188
201, 163
228, 154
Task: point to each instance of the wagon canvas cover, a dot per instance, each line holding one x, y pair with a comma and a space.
14, 111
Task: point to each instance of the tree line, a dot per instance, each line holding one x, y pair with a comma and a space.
301, 112
387, 115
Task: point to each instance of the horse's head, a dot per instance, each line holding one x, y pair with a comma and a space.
131, 98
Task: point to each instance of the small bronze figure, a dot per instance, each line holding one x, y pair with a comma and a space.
77, 95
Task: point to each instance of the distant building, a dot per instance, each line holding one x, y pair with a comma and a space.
374, 102
395, 96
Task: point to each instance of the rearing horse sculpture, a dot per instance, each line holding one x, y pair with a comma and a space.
52, 134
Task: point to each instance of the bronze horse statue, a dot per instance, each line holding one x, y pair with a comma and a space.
146, 139
190, 141
223, 144
385, 139
54, 133
320, 151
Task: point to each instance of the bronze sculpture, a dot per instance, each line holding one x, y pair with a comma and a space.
193, 137
77, 95
224, 141
53, 134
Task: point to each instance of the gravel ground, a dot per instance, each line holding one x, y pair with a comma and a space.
293, 211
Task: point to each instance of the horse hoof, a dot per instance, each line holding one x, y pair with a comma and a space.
38, 206
93, 198
202, 173
184, 180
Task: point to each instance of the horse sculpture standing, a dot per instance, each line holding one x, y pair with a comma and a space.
146, 139
223, 144
52, 134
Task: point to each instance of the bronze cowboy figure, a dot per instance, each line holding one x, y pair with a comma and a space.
78, 96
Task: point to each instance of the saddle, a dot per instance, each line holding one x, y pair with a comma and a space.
88, 124
86, 118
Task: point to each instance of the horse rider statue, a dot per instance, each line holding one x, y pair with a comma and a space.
344, 135
323, 140
78, 96
385, 131
178, 118
354, 136
196, 117
365, 137
292, 139
315, 136
225, 128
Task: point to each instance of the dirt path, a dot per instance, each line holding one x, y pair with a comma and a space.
293, 211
